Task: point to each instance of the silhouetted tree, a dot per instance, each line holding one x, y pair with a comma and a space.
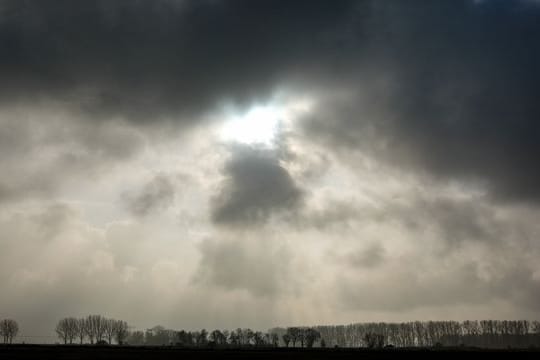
185, 338
226, 334
535, 327
95, 327
302, 336
274, 338
120, 331
67, 329
311, 336
9, 330
374, 340
286, 339
248, 335
218, 338
202, 338
108, 329
294, 334
267, 339
62, 331
234, 337
258, 338
81, 330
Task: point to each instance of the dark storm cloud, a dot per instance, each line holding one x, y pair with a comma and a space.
147, 60
156, 195
256, 186
450, 87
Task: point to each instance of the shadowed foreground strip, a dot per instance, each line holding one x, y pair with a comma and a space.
18, 352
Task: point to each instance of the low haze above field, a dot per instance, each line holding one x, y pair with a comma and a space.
227, 164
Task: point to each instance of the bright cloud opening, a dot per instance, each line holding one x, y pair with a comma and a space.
257, 126
261, 124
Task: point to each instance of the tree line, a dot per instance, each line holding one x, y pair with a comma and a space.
93, 328
474, 333
484, 333
97, 329
158, 335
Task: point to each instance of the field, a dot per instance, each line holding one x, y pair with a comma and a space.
20, 352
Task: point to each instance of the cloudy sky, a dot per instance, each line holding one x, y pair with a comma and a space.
237, 163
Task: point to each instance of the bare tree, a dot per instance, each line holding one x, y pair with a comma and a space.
184, 338
234, 337
9, 330
302, 336
202, 338
70, 326
108, 329
248, 336
294, 335
267, 339
226, 334
374, 340
89, 329
258, 338
95, 327
120, 331
100, 324
81, 329
286, 339
62, 330
311, 335
274, 338
217, 337
535, 327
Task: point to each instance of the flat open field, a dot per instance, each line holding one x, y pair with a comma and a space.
19, 352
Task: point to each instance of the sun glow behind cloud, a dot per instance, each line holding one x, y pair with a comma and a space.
261, 124
257, 126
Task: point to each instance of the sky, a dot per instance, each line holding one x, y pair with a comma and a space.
223, 164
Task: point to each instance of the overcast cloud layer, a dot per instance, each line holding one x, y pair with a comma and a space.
400, 183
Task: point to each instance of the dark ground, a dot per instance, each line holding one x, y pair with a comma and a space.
19, 352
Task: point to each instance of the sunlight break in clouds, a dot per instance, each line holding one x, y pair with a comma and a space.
260, 125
